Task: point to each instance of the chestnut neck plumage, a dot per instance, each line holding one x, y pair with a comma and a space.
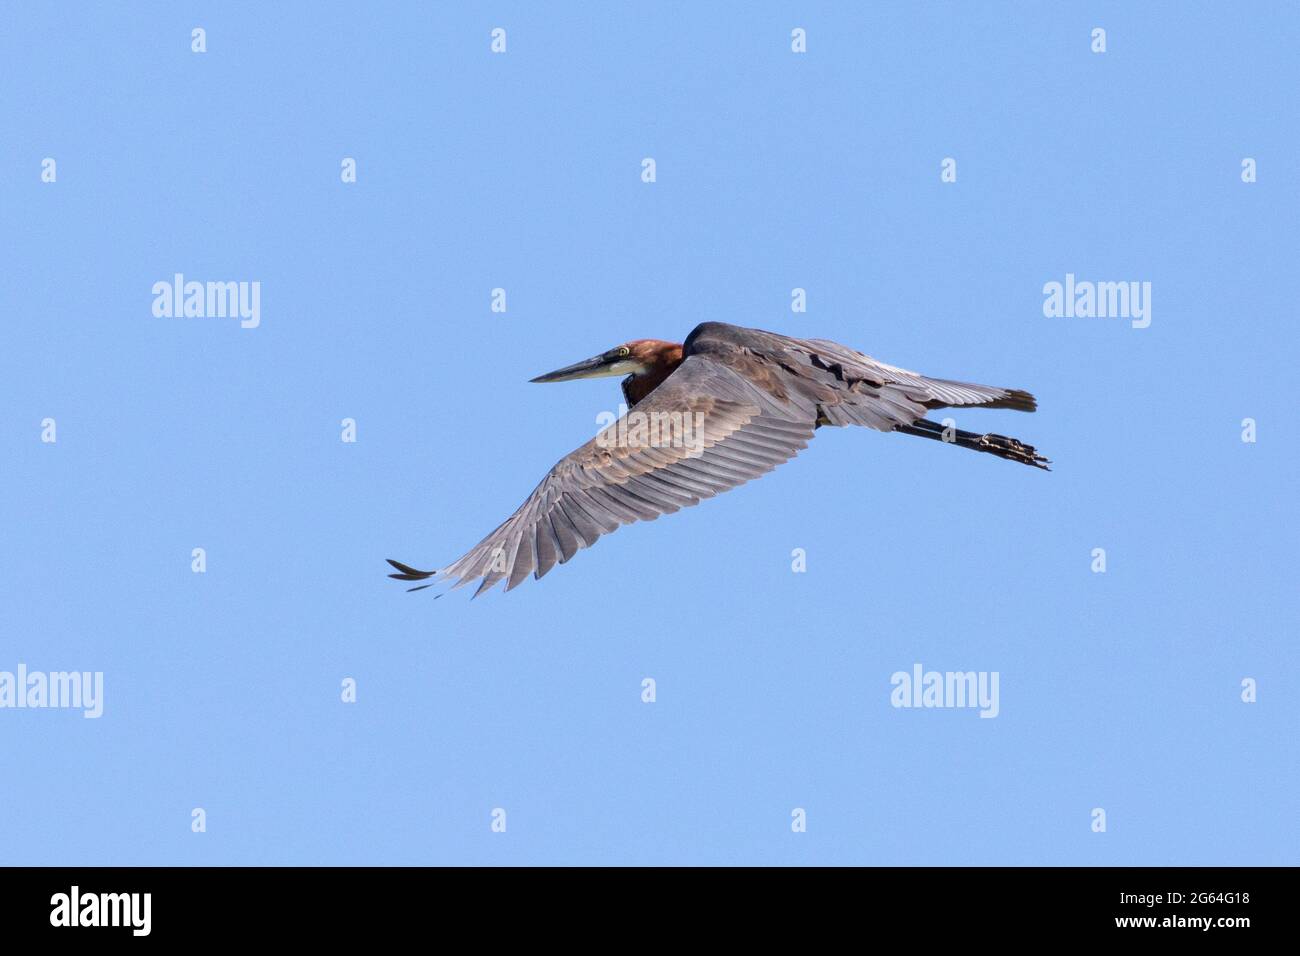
658, 360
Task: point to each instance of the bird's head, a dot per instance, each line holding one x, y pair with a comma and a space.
637, 357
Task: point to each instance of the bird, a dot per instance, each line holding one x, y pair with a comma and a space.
704, 416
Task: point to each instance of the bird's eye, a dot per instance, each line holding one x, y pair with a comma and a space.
624, 351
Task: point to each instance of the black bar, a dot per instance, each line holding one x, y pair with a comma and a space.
333, 905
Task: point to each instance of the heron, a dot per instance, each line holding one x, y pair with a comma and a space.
704, 416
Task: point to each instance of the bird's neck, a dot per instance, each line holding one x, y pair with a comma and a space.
640, 384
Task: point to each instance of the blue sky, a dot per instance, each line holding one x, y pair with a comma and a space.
774, 170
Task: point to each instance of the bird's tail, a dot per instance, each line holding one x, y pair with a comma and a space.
409, 573
1000, 445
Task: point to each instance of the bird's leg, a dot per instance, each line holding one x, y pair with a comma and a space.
1000, 445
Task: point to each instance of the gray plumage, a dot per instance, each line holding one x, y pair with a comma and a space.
758, 397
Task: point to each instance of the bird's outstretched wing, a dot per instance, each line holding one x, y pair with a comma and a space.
705, 430
843, 386
848, 387
848, 364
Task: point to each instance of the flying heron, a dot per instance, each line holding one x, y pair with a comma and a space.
727, 405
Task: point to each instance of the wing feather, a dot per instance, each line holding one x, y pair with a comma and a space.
619, 477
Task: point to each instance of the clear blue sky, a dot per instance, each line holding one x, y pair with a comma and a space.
522, 171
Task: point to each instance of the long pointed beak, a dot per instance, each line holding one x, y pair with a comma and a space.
598, 366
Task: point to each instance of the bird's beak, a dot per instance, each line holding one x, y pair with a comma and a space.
598, 366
